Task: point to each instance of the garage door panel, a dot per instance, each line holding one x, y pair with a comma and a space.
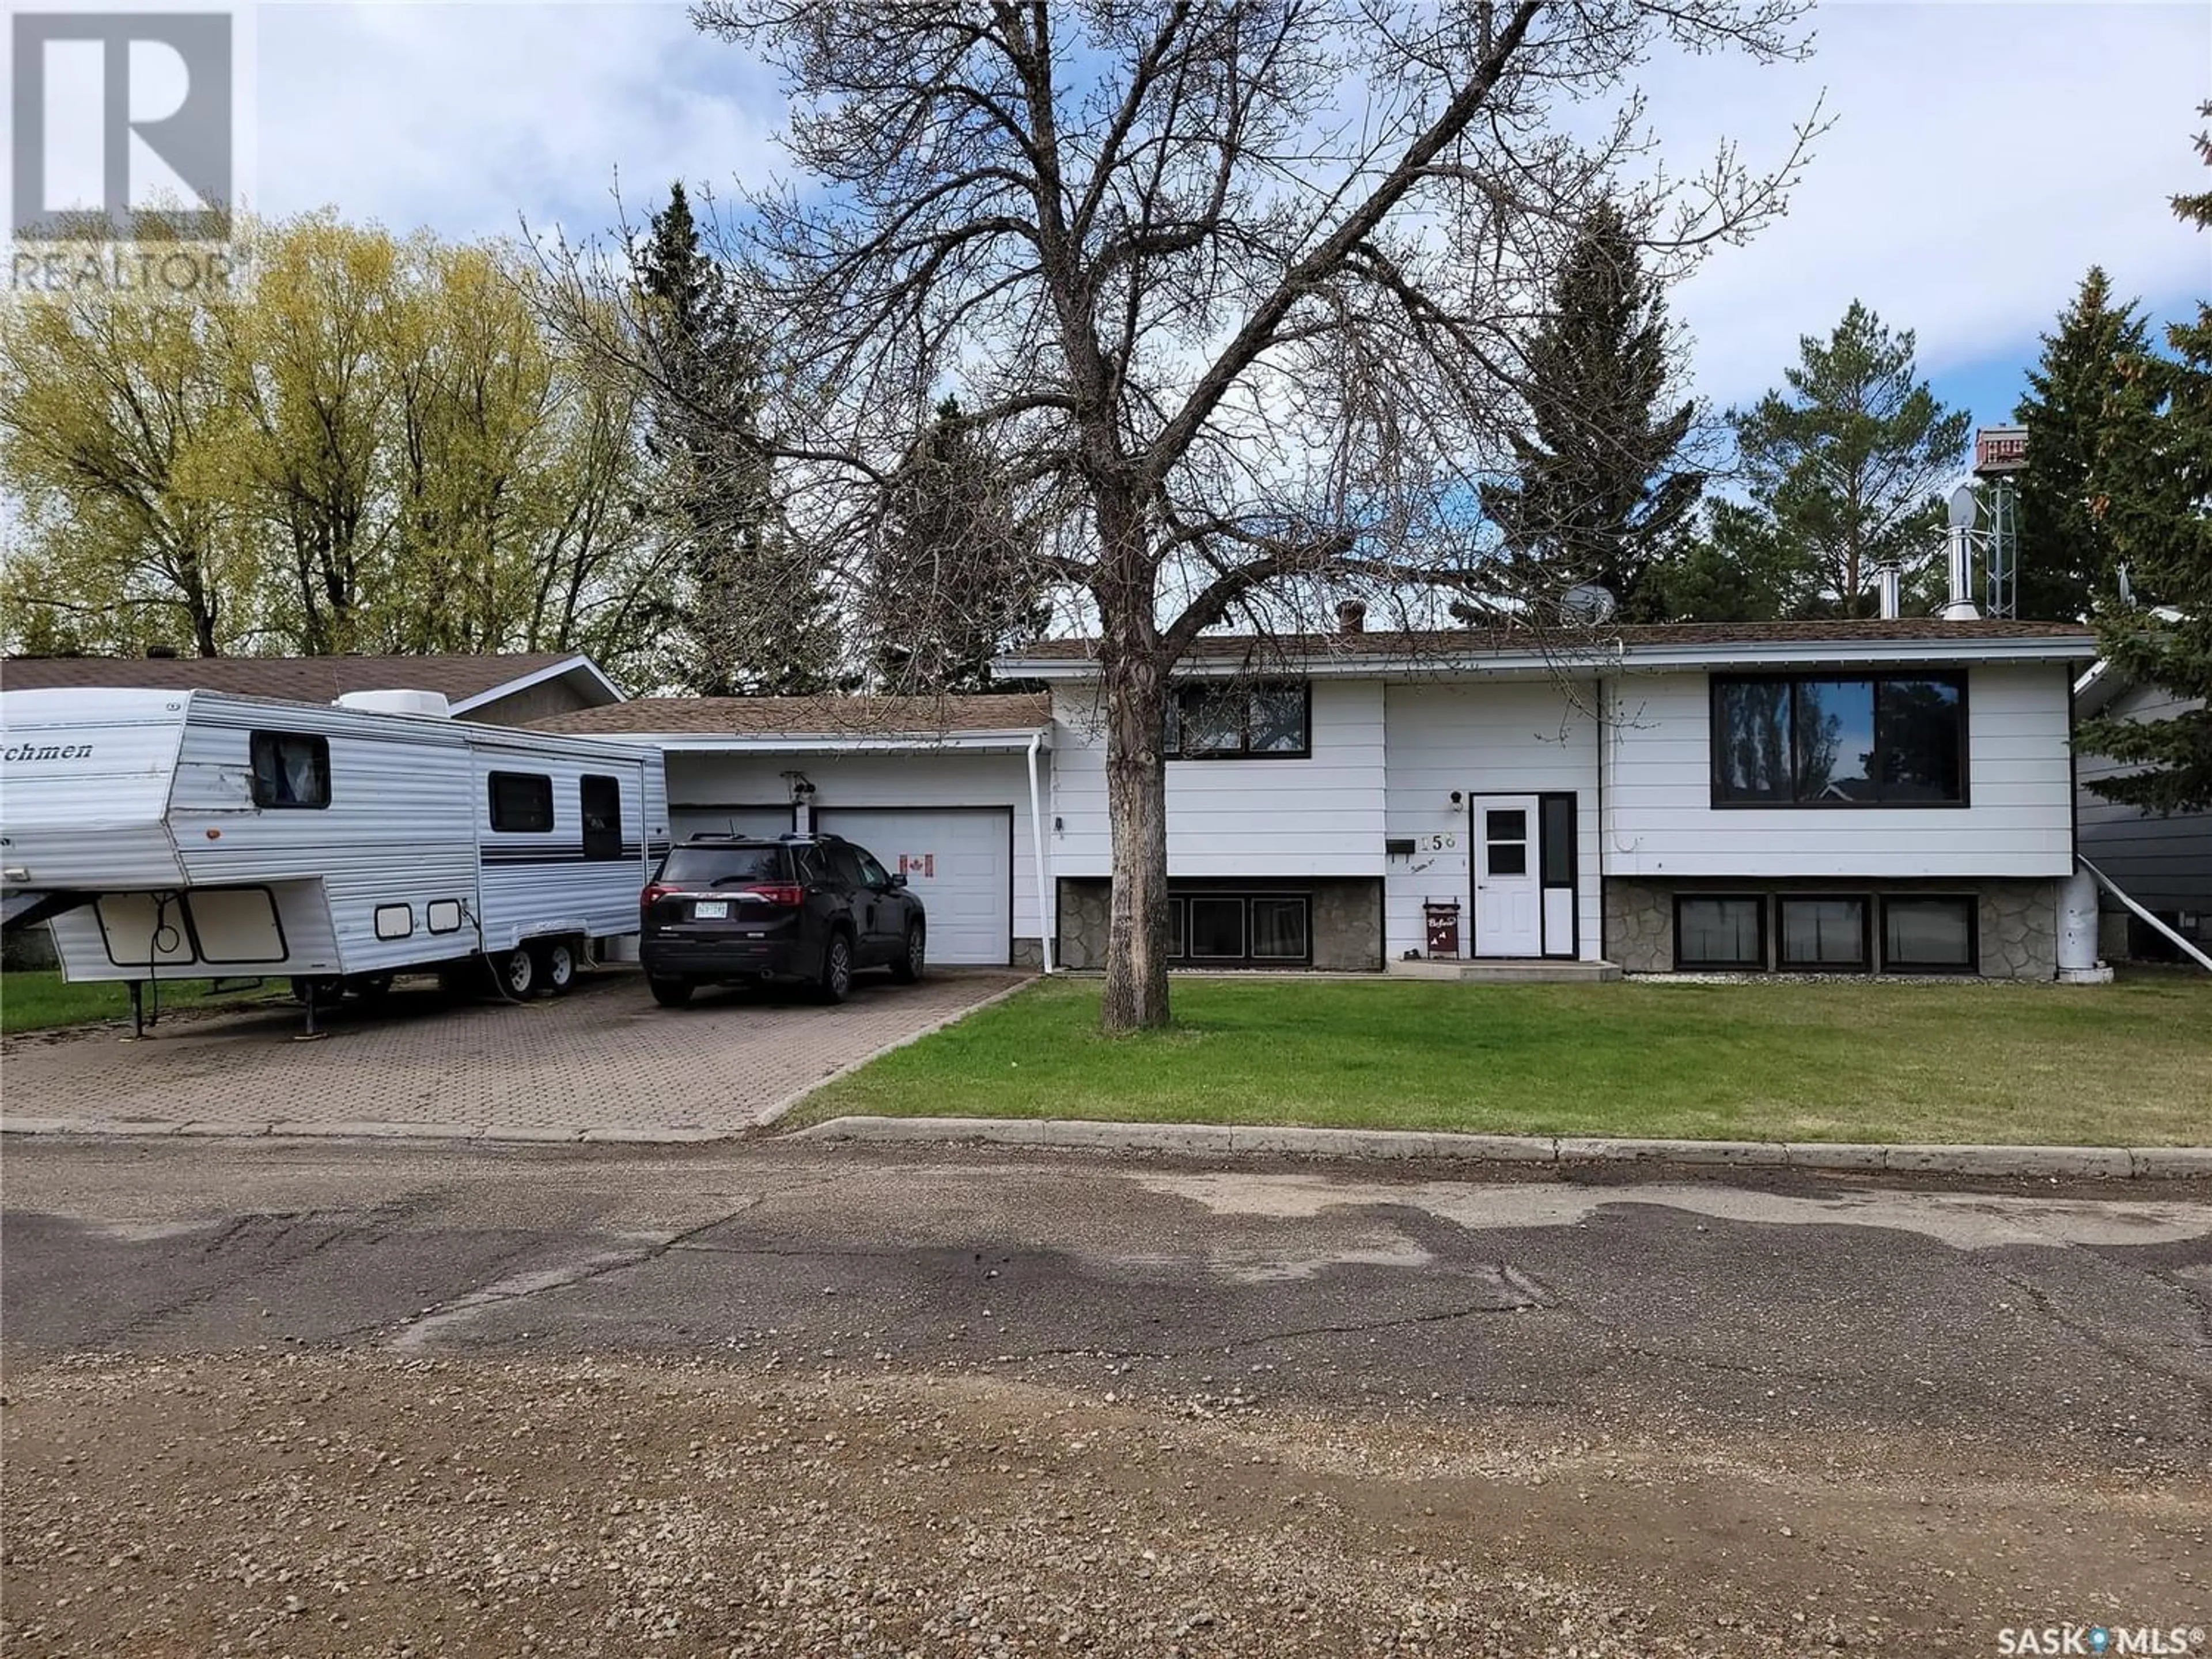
960, 864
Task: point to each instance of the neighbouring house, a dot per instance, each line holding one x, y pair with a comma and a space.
2163, 861
1838, 797
941, 790
499, 690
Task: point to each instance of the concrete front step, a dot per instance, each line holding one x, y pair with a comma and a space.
1506, 971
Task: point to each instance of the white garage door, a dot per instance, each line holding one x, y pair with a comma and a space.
959, 863
688, 821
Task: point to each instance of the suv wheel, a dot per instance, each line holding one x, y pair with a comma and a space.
836, 967
909, 966
670, 992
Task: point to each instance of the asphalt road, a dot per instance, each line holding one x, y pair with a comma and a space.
2036, 1360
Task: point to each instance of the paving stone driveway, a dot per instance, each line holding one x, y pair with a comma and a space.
602, 1061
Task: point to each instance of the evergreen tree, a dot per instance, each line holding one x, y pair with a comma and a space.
2065, 550
1733, 568
2155, 470
1844, 466
1595, 497
954, 576
751, 618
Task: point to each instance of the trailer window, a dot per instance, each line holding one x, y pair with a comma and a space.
521, 803
291, 769
602, 803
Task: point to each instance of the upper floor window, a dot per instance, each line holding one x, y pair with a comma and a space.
1240, 722
1814, 740
291, 769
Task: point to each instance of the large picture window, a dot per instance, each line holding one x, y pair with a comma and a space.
1884, 740
1239, 722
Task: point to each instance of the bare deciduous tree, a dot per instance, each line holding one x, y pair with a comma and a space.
1235, 294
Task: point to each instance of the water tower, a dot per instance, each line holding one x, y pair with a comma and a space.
2000, 455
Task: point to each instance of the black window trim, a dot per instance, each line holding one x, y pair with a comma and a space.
1684, 964
491, 803
257, 735
1972, 966
1196, 688
1865, 964
1573, 885
603, 846
1956, 677
1242, 897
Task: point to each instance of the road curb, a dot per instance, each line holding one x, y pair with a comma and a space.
1203, 1141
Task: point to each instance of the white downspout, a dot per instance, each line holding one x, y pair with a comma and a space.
2107, 884
1036, 849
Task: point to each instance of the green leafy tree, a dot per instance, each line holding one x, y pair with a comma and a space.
956, 582
749, 619
1596, 490
2065, 550
2154, 467
1844, 466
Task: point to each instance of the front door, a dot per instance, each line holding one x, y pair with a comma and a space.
1508, 901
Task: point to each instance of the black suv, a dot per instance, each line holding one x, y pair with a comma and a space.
731, 908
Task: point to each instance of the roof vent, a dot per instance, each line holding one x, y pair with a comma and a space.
430, 703
162, 651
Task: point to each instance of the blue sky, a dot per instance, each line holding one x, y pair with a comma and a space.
1984, 156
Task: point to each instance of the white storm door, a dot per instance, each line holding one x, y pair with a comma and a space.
1509, 900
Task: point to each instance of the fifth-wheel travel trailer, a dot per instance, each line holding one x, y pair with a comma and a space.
170, 834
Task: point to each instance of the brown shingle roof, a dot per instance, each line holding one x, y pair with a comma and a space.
810, 717
1463, 641
297, 680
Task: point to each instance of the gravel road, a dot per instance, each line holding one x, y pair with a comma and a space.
316, 1506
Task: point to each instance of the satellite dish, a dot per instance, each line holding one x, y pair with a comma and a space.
1964, 505
1589, 602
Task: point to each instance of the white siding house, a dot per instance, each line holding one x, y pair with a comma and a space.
1908, 804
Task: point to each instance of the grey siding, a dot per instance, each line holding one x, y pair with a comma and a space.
2164, 863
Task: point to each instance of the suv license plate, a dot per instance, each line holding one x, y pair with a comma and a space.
711, 911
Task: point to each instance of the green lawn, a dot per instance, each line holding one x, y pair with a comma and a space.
35, 1001
2124, 1065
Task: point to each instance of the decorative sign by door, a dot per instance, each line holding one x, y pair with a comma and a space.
918, 864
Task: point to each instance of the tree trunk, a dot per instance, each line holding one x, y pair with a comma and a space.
1137, 811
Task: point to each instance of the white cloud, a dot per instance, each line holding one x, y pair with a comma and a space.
1984, 154
1983, 158
467, 117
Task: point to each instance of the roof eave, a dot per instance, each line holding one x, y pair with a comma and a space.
592, 675
1616, 657
1010, 738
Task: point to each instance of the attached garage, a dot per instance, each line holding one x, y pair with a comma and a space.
958, 860
939, 790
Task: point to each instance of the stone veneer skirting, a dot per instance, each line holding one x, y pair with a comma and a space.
2019, 919
1347, 917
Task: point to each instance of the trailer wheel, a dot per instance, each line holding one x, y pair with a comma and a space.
518, 973
556, 965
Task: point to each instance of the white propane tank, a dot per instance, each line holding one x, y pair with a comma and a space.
432, 704
2077, 932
